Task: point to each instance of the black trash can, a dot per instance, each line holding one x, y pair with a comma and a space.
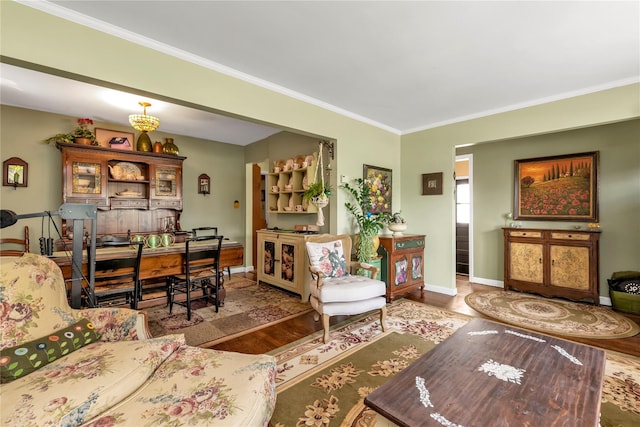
624, 290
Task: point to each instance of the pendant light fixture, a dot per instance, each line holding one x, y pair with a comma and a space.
144, 123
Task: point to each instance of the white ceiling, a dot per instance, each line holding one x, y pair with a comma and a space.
402, 66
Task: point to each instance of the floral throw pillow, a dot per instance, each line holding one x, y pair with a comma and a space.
21, 360
328, 257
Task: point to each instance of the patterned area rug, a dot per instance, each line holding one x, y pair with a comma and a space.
248, 306
552, 315
325, 384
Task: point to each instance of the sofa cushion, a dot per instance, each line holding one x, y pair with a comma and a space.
27, 357
328, 258
200, 387
78, 387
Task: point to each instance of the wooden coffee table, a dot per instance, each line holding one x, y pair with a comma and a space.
490, 374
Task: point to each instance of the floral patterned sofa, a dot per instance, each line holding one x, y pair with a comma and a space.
100, 367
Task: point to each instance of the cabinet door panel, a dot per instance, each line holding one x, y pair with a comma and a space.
416, 267
400, 271
526, 262
288, 260
569, 266
269, 259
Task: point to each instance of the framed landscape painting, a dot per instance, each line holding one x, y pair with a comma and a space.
557, 188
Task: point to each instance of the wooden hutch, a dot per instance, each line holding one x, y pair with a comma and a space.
135, 192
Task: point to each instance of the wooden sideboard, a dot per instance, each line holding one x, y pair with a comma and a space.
402, 263
552, 263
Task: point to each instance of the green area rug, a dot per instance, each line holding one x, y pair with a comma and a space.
555, 316
247, 307
325, 384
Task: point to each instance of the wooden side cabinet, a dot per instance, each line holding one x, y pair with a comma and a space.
402, 263
552, 263
282, 261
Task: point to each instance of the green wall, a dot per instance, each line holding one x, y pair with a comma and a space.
434, 150
22, 134
31, 36
619, 195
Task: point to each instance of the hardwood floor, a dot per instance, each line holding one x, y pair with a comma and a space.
275, 336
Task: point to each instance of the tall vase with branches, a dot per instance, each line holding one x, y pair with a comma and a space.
368, 224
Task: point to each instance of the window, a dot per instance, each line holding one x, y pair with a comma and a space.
463, 202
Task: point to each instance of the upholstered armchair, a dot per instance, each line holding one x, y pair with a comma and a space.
334, 290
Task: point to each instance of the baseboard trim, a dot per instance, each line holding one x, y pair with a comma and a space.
452, 292
488, 282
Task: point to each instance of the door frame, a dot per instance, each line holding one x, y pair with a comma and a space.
469, 158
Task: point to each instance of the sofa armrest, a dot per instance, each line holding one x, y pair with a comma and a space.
117, 324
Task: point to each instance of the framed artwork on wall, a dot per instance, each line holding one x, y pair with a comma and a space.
15, 172
431, 184
115, 139
380, 182
557, 188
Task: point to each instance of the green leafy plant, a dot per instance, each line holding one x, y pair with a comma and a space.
368, 224
80, 131
315, 190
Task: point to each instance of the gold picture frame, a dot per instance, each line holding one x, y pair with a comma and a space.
557, 188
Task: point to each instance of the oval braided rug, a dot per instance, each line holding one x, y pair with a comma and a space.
552, 315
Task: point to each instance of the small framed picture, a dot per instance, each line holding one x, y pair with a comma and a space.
15, 172
431, 184
204, 184
114, 139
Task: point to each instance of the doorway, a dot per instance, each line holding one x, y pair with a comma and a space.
464, 215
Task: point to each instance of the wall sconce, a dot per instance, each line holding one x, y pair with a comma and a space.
236, 204
204, 184
16, 172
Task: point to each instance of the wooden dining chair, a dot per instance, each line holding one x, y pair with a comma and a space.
15, 247
201, 273
208, 231
117, 280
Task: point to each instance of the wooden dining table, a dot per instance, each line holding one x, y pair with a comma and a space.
156, 263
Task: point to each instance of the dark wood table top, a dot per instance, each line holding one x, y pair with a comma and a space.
490, 374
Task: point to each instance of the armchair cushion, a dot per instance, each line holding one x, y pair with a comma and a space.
328, 258
348, 288
27, 357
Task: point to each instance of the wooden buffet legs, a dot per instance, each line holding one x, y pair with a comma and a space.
157, 263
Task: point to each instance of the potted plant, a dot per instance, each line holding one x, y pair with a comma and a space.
318, 194
396, 224
315, 191
80, 135
368, 224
